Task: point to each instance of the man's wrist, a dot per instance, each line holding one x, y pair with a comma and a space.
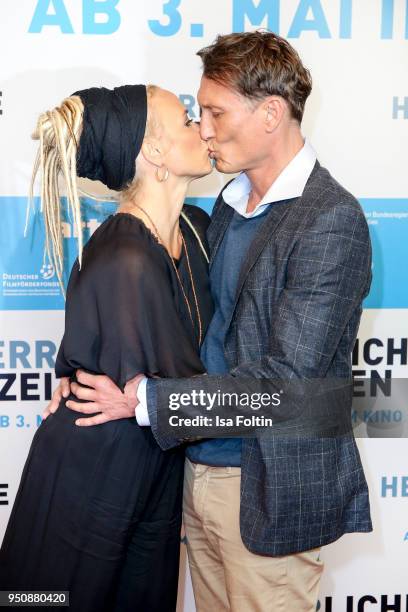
131, 395
141, 413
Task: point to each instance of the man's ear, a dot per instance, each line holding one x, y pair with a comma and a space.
274, 109
151, 151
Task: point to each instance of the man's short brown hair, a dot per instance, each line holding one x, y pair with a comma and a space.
259, 64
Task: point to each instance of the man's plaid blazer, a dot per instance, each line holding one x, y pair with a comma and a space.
296, 315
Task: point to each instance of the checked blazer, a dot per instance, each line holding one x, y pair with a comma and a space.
296, 316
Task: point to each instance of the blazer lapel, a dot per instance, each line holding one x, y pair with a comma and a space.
263, 235
217, 228
267, 230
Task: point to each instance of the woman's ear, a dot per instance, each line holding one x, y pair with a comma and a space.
151, 151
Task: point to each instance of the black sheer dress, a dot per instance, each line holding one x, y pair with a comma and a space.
98, 511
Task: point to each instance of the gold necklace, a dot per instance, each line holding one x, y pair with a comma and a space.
178, 275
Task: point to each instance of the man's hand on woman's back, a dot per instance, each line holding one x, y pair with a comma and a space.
63, 390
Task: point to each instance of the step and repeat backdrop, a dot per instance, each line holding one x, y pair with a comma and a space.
357, 120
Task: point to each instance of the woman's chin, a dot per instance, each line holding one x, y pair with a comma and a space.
205, 171
209, 167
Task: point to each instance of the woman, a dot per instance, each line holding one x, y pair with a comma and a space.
98, 511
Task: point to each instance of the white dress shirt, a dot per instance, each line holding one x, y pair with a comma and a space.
289, 184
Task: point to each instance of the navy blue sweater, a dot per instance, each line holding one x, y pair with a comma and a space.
224, 277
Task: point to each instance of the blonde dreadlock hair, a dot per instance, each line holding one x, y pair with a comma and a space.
59, 131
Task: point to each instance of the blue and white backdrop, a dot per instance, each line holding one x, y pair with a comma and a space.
357, 120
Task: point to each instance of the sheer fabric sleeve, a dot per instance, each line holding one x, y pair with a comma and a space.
121, 318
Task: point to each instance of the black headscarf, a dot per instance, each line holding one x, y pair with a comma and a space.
114, 124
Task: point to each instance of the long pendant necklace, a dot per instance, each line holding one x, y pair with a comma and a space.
178, 275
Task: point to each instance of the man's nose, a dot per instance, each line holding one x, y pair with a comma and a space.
206, 129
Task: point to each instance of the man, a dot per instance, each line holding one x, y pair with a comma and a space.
290, 265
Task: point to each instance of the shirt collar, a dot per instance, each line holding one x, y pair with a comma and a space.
289, 184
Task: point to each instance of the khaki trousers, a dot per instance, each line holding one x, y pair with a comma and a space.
226, 576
